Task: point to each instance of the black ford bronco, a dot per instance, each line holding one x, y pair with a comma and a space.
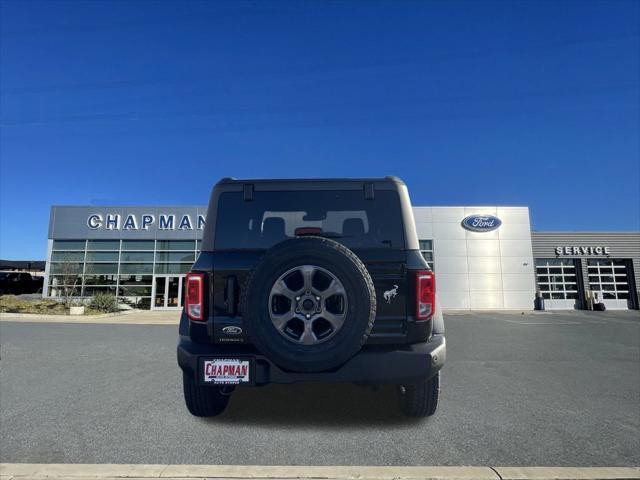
310, 281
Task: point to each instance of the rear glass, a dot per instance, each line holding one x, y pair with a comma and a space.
345, 216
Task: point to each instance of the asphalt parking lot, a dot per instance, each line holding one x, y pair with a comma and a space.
534, 389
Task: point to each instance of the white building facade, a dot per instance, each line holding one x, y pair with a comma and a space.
479, 270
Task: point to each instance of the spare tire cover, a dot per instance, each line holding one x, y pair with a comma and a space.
309, 304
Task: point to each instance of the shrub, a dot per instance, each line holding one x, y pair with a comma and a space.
104, 302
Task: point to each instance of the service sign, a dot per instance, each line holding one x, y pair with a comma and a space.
481, 223
583, 250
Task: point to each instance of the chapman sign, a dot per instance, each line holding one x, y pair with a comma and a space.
481, 223
114, 221
583, 250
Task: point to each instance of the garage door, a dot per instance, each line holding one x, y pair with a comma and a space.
610, 280
557, 282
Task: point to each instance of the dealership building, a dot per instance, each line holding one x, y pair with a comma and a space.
484, 257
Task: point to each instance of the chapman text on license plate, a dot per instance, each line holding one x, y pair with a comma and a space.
226, 371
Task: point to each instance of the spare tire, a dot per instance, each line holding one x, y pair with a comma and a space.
309, 304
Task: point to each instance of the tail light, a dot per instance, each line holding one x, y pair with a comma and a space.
425, 294
195, 295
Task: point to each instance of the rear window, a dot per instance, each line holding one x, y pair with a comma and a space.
345, 216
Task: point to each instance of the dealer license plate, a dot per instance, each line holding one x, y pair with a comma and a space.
226, 371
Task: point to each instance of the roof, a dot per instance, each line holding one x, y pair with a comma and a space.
22, 264
231, 180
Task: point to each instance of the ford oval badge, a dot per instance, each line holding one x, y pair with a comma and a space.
481, 223
232, 330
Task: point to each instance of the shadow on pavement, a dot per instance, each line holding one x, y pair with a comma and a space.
326, 405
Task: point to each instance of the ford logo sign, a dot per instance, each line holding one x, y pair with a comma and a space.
232, 330
481, 223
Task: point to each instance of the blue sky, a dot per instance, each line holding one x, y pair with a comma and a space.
507, 103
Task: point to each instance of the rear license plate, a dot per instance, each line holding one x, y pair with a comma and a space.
226, 371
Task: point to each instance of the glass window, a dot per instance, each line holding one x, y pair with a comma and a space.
175, 245
102, 256
426, 244
133, 291
138, 244
136, 257
103, 245
343, 215
100, 279
101, 268
426, 249
175, 257
136, 268
90, 291
172, 268
136, 279
68, 244
65, 280
66, 268
67, 256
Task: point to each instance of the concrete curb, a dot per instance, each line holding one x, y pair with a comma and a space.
24, 471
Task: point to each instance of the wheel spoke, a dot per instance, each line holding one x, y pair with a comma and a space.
308, 337
281, 288
334, 288
335, 319
281, 320
308, 272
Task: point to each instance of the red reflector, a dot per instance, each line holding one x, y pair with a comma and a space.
195, 294
307, 231
425, 294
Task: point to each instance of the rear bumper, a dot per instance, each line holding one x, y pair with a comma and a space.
372, 365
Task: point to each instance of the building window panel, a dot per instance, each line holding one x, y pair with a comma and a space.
66, 268
103, 245
165, 268
101, 268
176, 245
69, 245
140, 257
100, 279
426, 249
91, 291
136, 279
134, 291
102, 256
138, 245
139, 268
67, 256
175, 257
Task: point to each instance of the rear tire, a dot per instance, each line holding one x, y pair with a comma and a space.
419, 400
203, 401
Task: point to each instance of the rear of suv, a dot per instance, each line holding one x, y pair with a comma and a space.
317, 280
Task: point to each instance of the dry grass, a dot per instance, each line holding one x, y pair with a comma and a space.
13, 304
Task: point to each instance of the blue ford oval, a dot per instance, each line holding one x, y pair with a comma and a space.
481, 223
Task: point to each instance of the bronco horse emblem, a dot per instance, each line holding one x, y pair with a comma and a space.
391, 294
